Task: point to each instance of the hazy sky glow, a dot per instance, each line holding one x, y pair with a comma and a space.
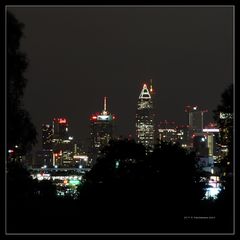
78, 55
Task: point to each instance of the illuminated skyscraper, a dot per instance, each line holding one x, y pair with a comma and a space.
145, 119
45, 156
101, 130
60, 129
61, 142
47, 135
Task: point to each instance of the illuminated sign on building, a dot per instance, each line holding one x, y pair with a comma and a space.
225, 115
62, 120
210, 130
81, 157
102, 117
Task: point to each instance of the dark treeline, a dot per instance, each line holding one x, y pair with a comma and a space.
125, 191
154, 193
20, 130
151, 193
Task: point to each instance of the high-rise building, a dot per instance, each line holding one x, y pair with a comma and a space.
145, 119
102, 128
62, 143
47, 135
195, 117
60, 129
213, 135
44, 157
168, 131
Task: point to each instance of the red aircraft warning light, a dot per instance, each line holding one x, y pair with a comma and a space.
93, 118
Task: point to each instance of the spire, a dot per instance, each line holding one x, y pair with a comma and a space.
151, 87
105, 104
145, 93
104, 112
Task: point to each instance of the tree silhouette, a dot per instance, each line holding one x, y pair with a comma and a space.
141, 188
20, 184
20, 130
21, 133
225, 124
224, 203
46, 190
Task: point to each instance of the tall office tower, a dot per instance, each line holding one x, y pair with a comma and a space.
213, 135
47, 135
145, 119
61, 141
195, 118
60, 129
102, 127
45, 156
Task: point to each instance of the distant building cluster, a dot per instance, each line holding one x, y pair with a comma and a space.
194, 136
59, 149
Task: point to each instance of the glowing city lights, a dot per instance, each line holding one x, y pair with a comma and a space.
62, 120
144, 119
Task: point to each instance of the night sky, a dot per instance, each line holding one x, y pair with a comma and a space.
78, 55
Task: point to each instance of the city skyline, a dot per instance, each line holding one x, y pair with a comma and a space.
79, 55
